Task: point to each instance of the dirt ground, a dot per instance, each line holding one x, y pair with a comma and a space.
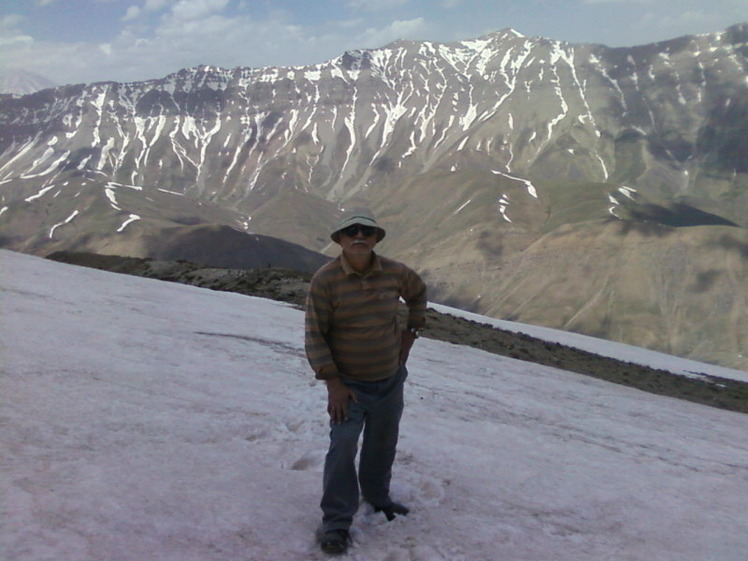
291, 286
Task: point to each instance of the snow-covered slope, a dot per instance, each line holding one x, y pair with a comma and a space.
603, 347
19, 82
148, 420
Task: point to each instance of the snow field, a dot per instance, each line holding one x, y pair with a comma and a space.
149, 420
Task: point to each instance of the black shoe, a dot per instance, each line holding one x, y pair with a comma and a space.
392, 510
335, 542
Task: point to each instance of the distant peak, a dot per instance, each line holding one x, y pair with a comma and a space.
510, 31
21, 82
736, 34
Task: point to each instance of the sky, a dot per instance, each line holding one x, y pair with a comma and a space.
74, 41
150, 420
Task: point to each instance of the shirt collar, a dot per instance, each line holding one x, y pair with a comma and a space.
376, 266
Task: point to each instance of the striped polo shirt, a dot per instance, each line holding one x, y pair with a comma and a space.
352, 327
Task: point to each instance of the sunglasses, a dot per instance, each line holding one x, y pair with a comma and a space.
354, 229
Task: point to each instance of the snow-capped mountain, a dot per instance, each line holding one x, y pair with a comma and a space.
149, 420
19, 82
553, 183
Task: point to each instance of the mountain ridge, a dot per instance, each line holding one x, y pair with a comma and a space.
478, 156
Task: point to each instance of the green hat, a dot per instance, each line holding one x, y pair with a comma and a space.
361, 218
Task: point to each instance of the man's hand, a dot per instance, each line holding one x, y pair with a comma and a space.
406, 342
338, 396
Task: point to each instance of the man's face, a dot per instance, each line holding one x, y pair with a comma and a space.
358, 240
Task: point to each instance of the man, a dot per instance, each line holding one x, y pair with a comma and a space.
355, 343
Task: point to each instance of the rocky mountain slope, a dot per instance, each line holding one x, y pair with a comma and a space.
575, 186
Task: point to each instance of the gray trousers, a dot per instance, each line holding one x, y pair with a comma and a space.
377, 413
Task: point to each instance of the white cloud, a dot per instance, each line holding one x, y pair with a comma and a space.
398, 29
10, 21
132, 13
350, 23
376, 5
10, 35
158, 37
15, 40
201, 32
686, 17
673, 22
155, 5
191, 32
617, 1
190, 10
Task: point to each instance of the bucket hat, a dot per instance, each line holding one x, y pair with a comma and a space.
360, 218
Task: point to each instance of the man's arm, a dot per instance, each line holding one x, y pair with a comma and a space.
338, 396
407, 338
415, 296
316, 327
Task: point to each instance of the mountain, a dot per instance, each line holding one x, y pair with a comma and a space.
20, 82
581, 187
149, 420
